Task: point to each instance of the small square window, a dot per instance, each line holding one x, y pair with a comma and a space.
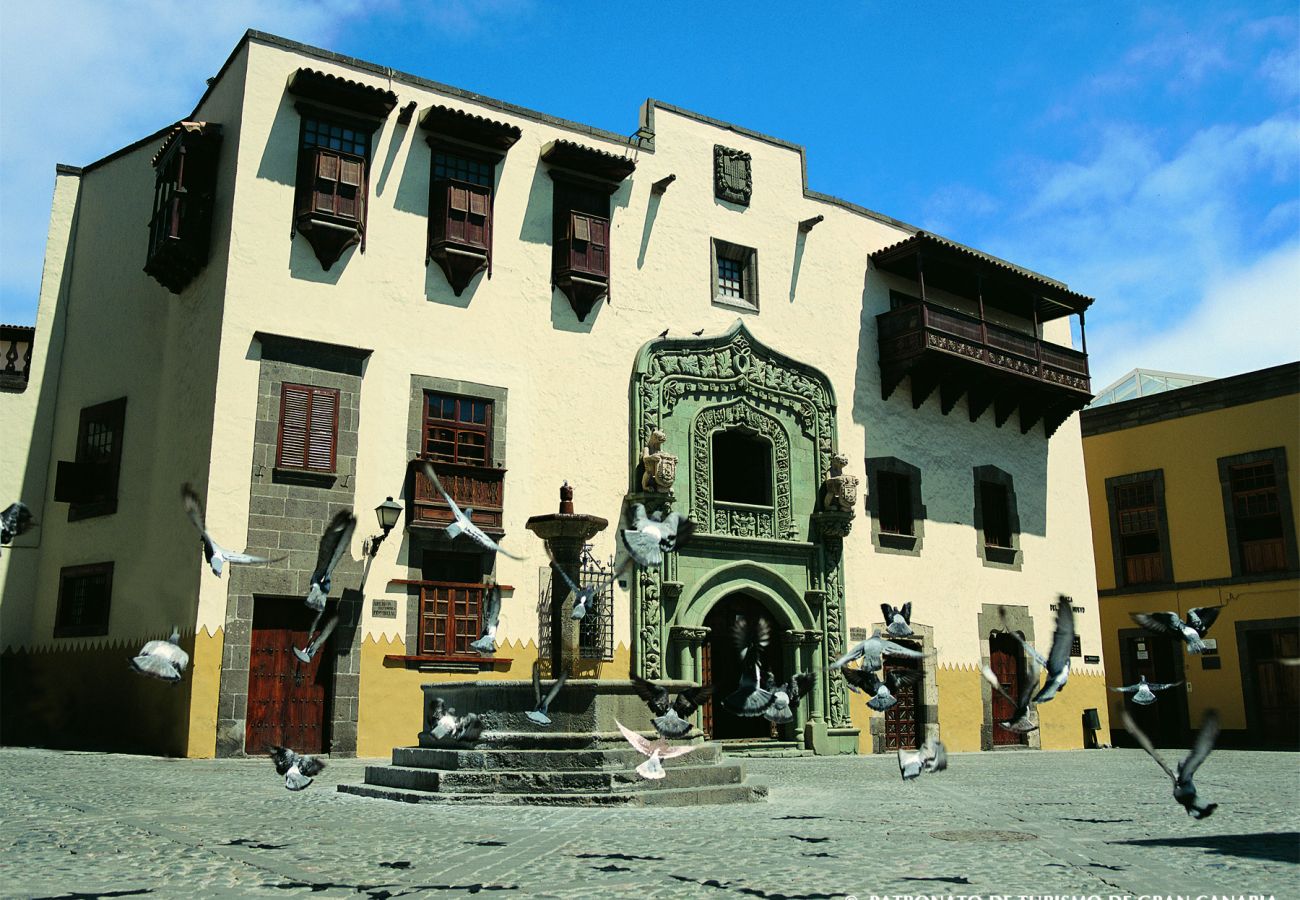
84, 595
735, 275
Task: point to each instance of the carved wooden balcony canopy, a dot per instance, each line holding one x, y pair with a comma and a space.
598, 164
443, 121
200, 131
334, 90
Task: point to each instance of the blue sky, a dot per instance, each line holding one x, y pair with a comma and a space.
1149, 155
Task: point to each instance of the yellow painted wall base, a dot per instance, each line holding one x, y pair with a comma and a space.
961, 711
205, 682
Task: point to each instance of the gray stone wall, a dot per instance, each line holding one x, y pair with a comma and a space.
288, 511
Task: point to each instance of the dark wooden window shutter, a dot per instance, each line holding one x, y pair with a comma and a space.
308, 428
336, 181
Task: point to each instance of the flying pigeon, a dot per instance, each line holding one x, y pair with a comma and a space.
650, 537
15, 520
1057, 663
931, 757
297, 768
785, 697
1198, 623
487, 642
1143, 695
450, 727
898, 619
333, 543
749, 699
309, 651
462, 523
584, 598
164, 660
1184, 790
657, 750
670, 719
538, 714
872, 650
1020, 722
216, 555
881, 690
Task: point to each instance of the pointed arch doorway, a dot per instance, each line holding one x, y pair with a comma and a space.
722, 667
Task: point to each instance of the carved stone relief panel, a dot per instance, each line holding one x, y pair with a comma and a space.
722, 518
733, 178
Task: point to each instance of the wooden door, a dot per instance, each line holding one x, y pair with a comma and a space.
904, 720
1160, 658
1006, 662
1276, 686
288, 700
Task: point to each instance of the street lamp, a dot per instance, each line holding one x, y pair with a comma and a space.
388, 513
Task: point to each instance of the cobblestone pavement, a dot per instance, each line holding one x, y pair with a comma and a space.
1096, 822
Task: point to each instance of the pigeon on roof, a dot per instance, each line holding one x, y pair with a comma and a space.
1142, 691
333, 544
1184, 789
672, 718
164, 660
487, 642
898, 619
1191, 632
657, 750
216, 555
462, 524
298, 769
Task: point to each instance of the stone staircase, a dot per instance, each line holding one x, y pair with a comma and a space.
765, 749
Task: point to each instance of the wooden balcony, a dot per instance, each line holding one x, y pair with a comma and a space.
16, 355
478, 487
992, 365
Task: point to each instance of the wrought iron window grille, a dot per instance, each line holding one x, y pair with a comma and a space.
596, 630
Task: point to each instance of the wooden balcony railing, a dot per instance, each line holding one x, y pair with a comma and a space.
479, 487
1268, 555
15, 355
1146, 568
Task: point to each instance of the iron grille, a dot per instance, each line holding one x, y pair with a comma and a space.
596, 630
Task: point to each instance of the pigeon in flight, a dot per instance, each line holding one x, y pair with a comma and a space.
657, 750
164, 660
15, 520
487, 642
650, 537
298, 769
450, 727
333, 543
309, 651
898, 619
216, 555
1184, 790
671, 719
1020, 722
462, 523
539, 714
1142, 691
749, 699
931, 757
1198, 623
1057, 663
785, 697
872, 650
584, 598
881, 689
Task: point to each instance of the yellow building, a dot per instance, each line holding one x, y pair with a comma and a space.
348, 268
1190, 493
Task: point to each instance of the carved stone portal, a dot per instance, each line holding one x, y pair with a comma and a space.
659, 468
839, 491
733, 178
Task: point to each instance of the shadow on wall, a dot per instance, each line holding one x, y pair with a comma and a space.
945, 448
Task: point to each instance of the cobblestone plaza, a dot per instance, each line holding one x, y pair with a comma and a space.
1077, 823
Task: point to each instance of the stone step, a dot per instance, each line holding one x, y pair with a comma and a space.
748, 792
773, 754
765, 749
548, 782
537, 760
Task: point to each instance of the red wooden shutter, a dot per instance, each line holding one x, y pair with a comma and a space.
308, 427
327, 178
598, 249
457, 211
476, 224
323, 429
351, 171
589, 243
295, 411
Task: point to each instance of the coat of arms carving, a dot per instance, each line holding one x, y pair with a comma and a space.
733, 178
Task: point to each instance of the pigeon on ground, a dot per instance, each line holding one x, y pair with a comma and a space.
164, 660
15, 520
672, 718
898, 619
462, 523
584, 598
785, 697
650, 537
539, 714
1057, 663
298, 769
333, 544
216, 555
1143, 689
872, 650
1198, 623
931, 757
1184, 790
751, 638
881, 689
1020, 722
487, 642
450, 727
309, 651
657, 750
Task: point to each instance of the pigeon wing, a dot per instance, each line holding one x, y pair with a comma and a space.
492, 607
537, 683
1159, 622
249, 559
1145, 742
679, 750
690, 700
1059, 656
1202, 617
337, 537
563, 574
888, 612
907, 612
901, 678
283, 758
863, 679
800, 686
426, 469
643, 547
1130, 689
893, 649
555, 689
997, 685
1205, 739
652, 694
194, 509
310, 765
1163, 687
490, 544
642, 744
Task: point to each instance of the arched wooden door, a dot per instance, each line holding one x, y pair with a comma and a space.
1007, 662
288, 700
722, 668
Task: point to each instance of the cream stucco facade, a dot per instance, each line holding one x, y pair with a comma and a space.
193, 368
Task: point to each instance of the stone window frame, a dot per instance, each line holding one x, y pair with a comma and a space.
111, 417
68, 574
1010, 558
1113, 484
1277, 456
748, 258
887, 542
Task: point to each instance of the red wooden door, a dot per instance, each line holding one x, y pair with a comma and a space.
1277, 686
903, 720
288, 700
1004, 660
